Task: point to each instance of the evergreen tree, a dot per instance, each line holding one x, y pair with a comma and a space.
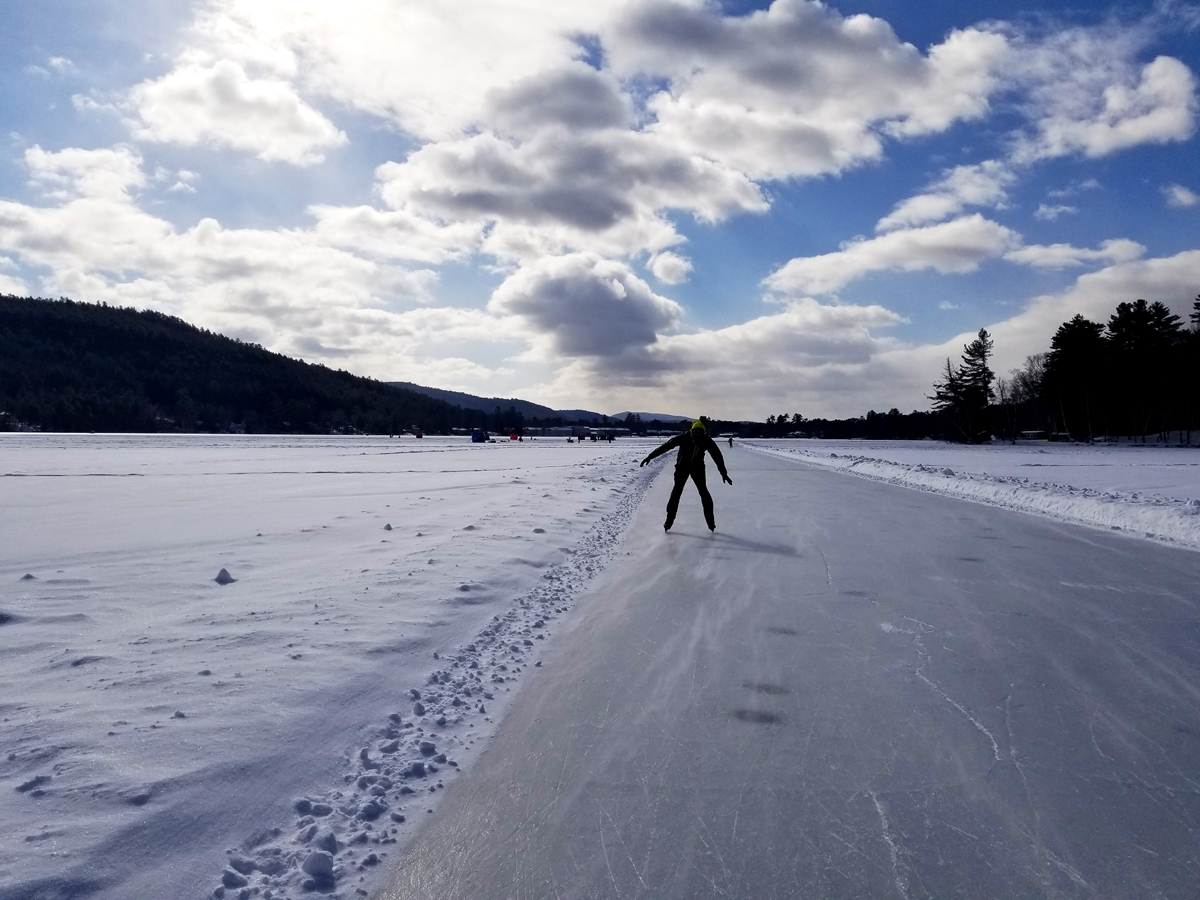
1075, 379
977, 377
1143, 338
947, 397
964, 395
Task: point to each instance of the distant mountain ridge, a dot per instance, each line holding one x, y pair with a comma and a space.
651, 416
525, 407
488, 404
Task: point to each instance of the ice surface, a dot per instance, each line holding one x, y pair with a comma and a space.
166, 733
1147, 491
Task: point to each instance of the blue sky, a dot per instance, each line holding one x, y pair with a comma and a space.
731, 209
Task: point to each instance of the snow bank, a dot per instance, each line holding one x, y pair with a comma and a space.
282, 727
1111, 498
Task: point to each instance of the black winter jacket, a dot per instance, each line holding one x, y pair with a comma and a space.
691, 453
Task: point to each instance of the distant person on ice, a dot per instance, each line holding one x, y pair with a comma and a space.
690, 464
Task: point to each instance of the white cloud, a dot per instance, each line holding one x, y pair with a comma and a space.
1062, 256
428, 67
959, 245
1095, 295
584, 306
1048, 213
810, 356
395, 234
572, 97
1180, 197
982, 184
10, 284
580, 190
669, 268
222, 106
797, 89
108, 173
292, 290
1091, 99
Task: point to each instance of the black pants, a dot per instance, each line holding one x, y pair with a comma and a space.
681, 478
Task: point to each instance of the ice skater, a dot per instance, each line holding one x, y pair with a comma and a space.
690, 464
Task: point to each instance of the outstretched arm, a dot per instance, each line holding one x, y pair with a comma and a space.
659, 451
719, 460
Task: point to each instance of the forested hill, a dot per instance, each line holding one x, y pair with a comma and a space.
67, 366
527, 410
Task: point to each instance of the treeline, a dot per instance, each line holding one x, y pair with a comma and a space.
67, 366
1136, 376
892, 425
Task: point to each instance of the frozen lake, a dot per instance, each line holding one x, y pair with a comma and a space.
1165, 471
152, 718
166, 735
1147, 491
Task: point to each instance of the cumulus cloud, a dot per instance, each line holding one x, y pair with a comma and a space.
573, 97
293, 290
577, 186
585, 306
982, 184
428, 67
74, 172
959, 245
220, 104
1180, 197
1091, 99
809, 355
1062, 256
669, 268
797, 89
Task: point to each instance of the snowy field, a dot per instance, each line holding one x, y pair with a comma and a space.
1142, 490
165, 735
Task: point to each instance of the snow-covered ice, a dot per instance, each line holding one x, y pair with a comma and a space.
1146, 491
224, 672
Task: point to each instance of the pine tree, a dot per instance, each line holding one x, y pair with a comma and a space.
976, 376
1076, 377
948, 398
964, 395
1143, 338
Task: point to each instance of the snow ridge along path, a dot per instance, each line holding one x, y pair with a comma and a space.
1171, 520
343, 833
169, 735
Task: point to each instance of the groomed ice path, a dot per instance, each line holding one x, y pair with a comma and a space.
851, 690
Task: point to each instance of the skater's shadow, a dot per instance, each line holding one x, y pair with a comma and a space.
729, 541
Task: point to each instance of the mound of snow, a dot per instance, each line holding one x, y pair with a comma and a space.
1169, 519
